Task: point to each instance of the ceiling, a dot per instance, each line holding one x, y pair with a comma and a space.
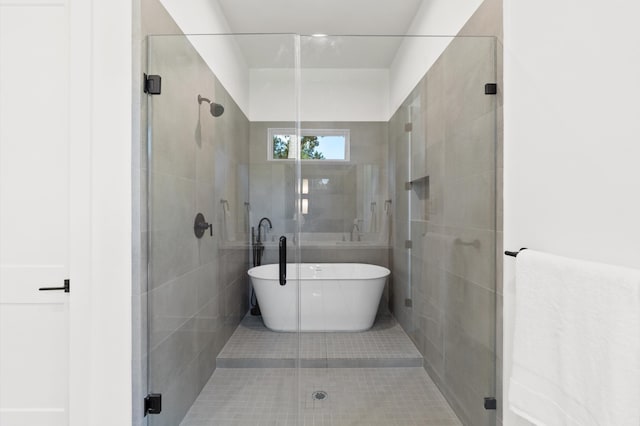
343, 17
278, 51
320, 16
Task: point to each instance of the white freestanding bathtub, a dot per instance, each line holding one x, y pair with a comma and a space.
333, 296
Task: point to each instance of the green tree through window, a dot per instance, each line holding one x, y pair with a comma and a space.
308, 148
313, 145
281, 147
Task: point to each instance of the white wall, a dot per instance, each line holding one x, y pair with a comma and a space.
325, 94
100, 184
221, 53
110, 229
572, 125
359, 94
415, 56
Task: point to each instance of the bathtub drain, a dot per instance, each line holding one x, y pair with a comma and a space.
319, 395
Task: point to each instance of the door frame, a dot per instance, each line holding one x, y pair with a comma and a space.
100, 250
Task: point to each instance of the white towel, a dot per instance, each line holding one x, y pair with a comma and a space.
576, 349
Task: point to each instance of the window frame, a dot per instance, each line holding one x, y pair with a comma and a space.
346, 133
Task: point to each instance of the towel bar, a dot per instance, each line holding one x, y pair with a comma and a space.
514, 253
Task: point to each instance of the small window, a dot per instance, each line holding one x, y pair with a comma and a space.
315, 145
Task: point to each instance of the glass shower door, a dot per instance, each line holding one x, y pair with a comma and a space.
214, 196
359, 150
451, 196
399, 171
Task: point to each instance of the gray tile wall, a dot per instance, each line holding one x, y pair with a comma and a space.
138, 271
149, 18
194, 291
487, 20
349, 190
449, 273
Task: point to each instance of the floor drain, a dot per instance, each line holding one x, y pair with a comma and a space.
319, 395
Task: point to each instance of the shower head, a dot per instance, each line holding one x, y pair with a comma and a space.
216, 109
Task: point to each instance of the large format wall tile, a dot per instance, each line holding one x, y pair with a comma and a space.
339, 193
197, 288
449, 273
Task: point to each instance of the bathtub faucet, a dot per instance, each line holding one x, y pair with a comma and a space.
260, 229
258, 247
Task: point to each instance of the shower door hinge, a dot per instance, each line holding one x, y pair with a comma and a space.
490, 89
408, 244
490, 403
152, 84
408, 303
408, 127
153, 403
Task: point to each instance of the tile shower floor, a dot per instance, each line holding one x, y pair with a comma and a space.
384, 345
369, 379
356, 396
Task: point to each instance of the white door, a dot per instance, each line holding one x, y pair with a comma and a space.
34, 212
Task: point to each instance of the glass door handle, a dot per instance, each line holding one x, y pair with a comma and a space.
283, 260
66, 287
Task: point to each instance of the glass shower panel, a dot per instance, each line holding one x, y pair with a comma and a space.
359, 150
209, 185
416, 195
452, 204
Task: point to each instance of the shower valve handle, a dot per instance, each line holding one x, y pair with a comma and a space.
206, 225
200, 226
